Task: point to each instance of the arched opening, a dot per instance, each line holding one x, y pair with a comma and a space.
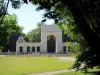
21, 49
38, 48
64, 49
51, 43
33, 48
28, 48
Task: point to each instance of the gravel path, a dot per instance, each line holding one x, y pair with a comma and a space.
67, 58
53, 72
60, 71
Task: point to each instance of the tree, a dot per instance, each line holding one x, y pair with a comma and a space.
3, 9
35, 34
86, 16
8, 23
8, 26
14, 37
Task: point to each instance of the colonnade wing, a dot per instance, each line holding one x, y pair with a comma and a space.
27, 46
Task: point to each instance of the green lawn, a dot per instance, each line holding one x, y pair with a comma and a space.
16, 65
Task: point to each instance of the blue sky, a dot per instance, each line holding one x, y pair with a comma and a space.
28, 17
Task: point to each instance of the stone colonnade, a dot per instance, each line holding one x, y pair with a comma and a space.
27, 47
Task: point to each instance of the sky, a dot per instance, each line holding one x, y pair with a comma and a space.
28, 17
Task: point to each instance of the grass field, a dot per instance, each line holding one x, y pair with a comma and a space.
17, 65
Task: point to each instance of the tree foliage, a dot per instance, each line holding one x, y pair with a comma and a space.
8, 26
35, 34
13, 38
3, 9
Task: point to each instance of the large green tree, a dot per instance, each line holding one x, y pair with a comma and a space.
8, 26
13, 38
35, 34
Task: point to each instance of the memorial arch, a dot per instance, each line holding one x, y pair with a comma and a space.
47, 30
41, 47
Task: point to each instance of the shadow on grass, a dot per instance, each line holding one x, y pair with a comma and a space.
94, 73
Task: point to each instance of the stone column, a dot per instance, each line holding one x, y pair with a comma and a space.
25, 48
17, 49
66, 48
59, 47
43, 46
35, 49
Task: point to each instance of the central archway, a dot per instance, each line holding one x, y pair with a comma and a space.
51, 44
47, 30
